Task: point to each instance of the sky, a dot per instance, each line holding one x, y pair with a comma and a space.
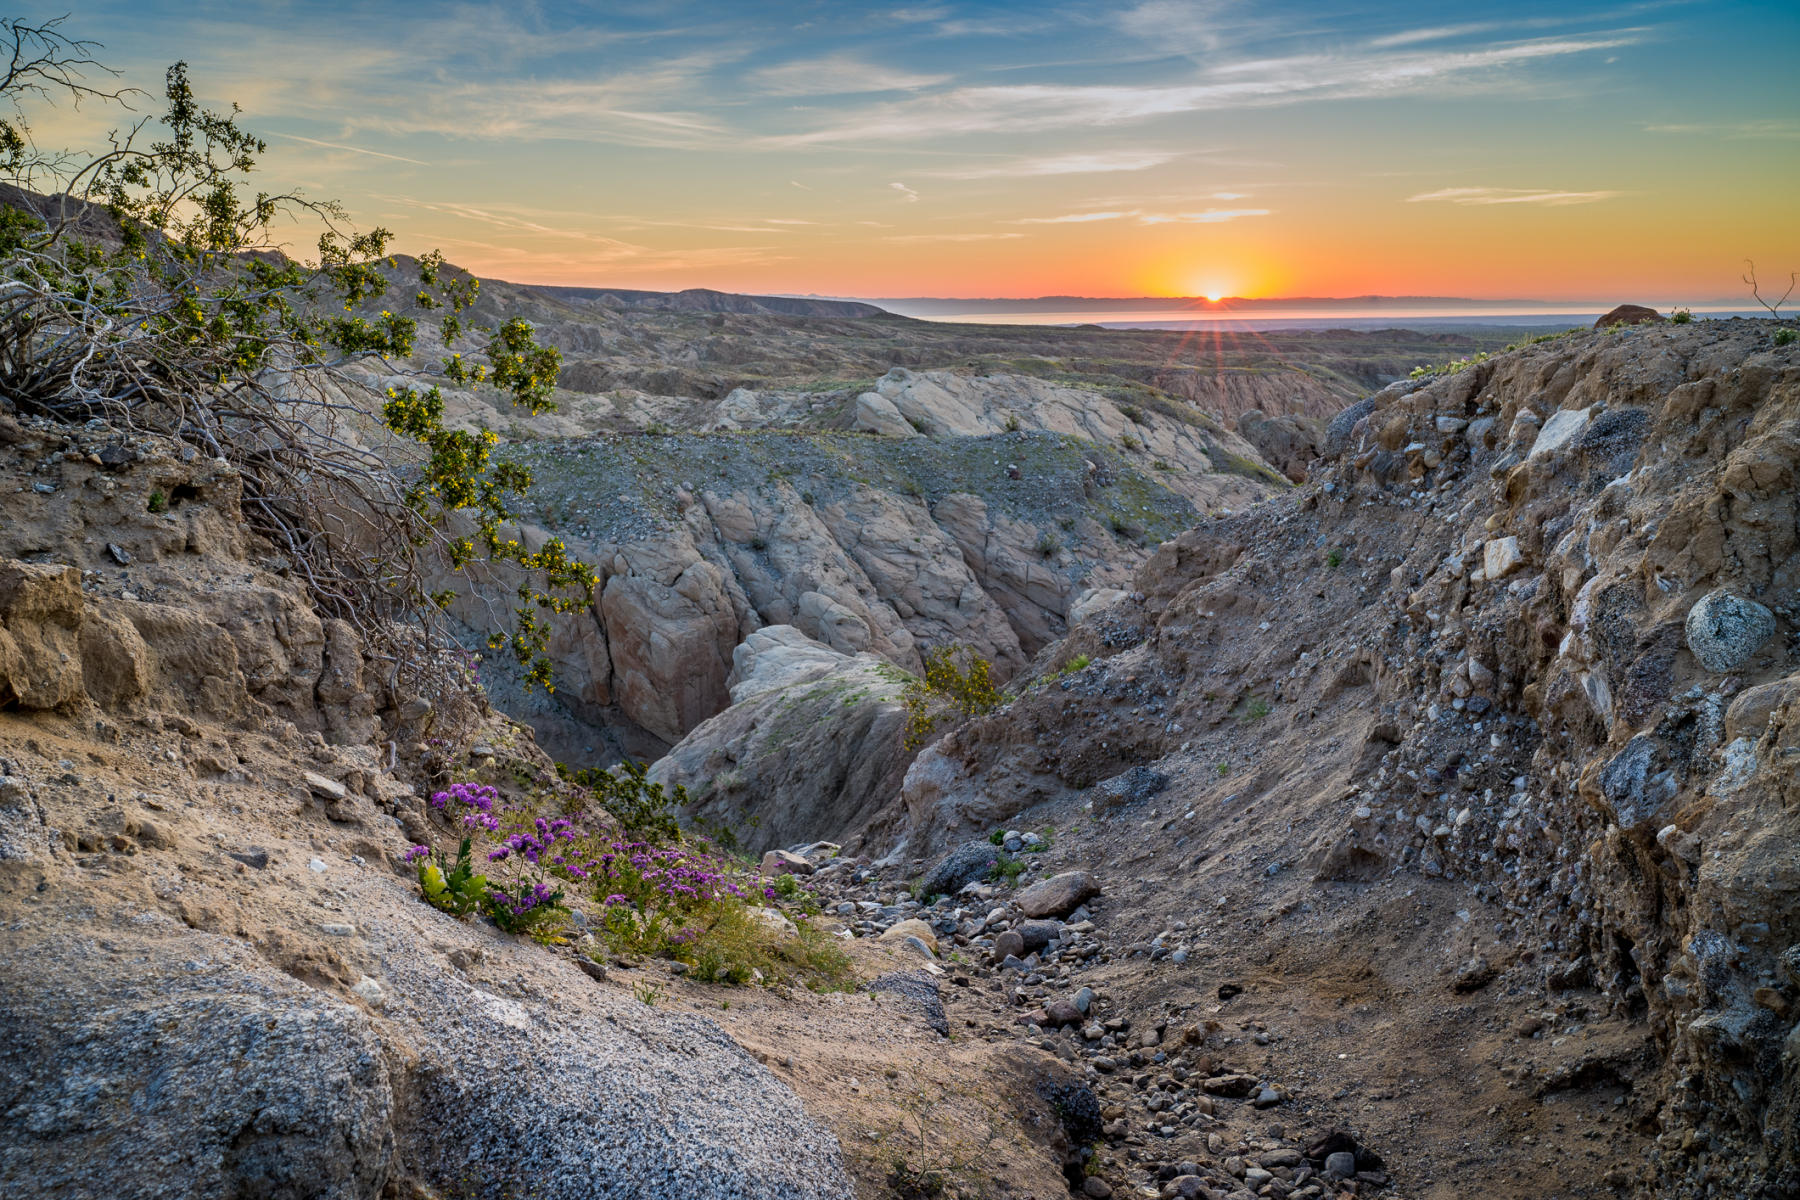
1580, 151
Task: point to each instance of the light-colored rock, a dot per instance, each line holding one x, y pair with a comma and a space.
1092, 601
911, 928
877, 414
1500, 557
1559, 432
782, 862
1725, 629
816, 746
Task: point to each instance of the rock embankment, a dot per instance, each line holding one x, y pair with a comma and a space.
1520, 658
216, 975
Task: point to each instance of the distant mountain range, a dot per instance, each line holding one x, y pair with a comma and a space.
709, 301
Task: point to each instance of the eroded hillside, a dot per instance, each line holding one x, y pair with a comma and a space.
1460, 778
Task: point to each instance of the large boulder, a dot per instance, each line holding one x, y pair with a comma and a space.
1059, 895
143, 1059
1724, 630
964, 865
1628, 314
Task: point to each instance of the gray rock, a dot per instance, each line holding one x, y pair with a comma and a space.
1725, 629
1341, 1165
190, 1052
1059, 894
1038, 934
919, 991
1337, 433
1139, 783
959, 868
1009, 944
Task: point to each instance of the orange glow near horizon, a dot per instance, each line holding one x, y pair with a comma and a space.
915, 151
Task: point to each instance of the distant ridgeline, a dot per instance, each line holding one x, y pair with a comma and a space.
707, 300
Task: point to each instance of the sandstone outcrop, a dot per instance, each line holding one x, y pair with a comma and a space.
813, 745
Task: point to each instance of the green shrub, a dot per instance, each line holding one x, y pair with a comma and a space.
642, 809
1682, 316
1335, 558
1257, 709
161, 298
157, 503
956, 678
1785, 337
1006, 869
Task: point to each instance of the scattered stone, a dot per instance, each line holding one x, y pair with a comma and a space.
258, 859
1058, 895
964, 865
591, 969
912, 928
1341, 1165
1474, 975
1096, 1187
920, 991
330, 789
1009, 945
785, 862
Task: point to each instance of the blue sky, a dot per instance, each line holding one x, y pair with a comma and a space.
1011, 149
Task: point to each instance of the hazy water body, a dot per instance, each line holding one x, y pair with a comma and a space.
1135, 315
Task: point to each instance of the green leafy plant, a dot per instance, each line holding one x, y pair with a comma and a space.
149, 289
1079, 663
1257, 709
1048, 545
1682, 316
647, 994
1785, 337
450, 885
1334, 558
997, 837
158, 503
1006, 869
1011, 424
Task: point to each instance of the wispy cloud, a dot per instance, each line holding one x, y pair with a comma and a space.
1075, 218
906, 193
837, 74
1099, 162
951, 237
1355, 74
294, 137
1210, 216
1494, 195
1779, 130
